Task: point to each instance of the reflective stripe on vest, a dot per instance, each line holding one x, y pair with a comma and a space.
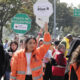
19, 79
60, 66
38, 77
21, 72
12, 77
39, 67
47, 42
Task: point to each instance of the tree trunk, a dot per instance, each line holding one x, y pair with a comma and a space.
1, 30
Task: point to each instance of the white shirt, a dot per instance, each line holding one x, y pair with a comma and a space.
28, 58
47, 55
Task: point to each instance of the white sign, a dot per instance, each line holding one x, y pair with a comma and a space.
41, 21
43, 8
44, 19
20, 26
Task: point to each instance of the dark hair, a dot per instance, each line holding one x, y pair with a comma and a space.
40, 41
21, 41
60, 46
15, 44
29, 38
56, 42
76, 57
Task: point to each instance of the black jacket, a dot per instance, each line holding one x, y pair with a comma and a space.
3, 61
74, 44
73, 75
8, 66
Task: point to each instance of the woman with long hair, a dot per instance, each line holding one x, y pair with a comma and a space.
26, 64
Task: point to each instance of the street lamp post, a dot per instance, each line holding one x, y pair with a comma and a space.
54, 29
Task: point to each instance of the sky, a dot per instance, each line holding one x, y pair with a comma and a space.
74, 2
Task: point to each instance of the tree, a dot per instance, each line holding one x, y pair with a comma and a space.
63, 16
26, 6
8, 8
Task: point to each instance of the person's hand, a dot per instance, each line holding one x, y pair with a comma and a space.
47, 59
41, 30
46, 27
10, 53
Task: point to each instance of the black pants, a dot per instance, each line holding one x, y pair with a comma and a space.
58, 78
66, 76
48, 72
28, 77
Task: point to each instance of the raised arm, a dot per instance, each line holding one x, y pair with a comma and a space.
47, 42
38, 37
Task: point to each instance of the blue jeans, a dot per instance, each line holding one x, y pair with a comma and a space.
7, 75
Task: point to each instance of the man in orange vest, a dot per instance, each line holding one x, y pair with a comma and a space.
27, 64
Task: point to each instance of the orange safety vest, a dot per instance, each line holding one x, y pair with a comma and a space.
19, 63
77, 71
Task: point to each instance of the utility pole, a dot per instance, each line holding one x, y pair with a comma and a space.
54, 29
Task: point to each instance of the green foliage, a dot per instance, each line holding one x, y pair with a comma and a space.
27, 7
64, 16
8, 8
66, 30
75, 31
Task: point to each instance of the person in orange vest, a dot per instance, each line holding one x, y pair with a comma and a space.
74, 73
27, 64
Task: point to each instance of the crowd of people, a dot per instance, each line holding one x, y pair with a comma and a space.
41, 58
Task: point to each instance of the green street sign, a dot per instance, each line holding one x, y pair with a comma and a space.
76, 12
21, 23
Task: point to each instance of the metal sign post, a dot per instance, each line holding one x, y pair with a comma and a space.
54, 29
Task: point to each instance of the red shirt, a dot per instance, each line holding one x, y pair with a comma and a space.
59, 69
